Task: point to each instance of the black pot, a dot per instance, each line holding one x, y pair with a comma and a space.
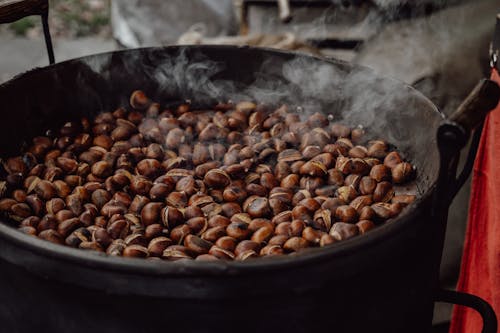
384, 281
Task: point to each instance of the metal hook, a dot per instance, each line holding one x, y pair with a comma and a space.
494, 59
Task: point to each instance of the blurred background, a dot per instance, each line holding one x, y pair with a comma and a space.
438, 46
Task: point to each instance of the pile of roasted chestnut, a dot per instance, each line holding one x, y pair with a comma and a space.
235, 182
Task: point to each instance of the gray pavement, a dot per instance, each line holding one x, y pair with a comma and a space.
18, 55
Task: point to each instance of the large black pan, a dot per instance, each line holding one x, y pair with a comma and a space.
384, 281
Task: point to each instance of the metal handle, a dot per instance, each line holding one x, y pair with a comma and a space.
483, 98
470, 115
495, 46
13, 10
284, 10
452, 136
454, 133
471, 301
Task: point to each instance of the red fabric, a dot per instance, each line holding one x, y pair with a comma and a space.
480, 271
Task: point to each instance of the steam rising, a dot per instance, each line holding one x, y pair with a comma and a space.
354, 96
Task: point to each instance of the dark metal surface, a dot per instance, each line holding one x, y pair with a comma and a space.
464, 299
357, 285
48, 39
495, 46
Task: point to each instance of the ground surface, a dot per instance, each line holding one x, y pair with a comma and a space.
78, 27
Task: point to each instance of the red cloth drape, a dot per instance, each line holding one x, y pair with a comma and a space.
480, 271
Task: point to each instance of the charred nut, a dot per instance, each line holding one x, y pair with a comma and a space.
229, 209
361, 201
171, 217
192, 211
197, 244
175, 252
179, 233
221, 253
402, 172
323, 219
6, 204
227, 243
139, 100
326, 239
278, 240
310, 204
383, 192
238, 230
271, 250
47, 222
256, 206
206, 257
177, 199
154, 230
99, 198
364, 226
66, 227
198, 225
51, 236
367, 185
382, 210
366, 213
301, 213
290, 181
140, 185
312, 235
157, 245
352, 180
217, 178
135, 251
218, 221
296, 227
314, 169
135, 239
78, 236
246, 245
118, 229
213, 234
380, 173
289, 155
346, 214
295, 244
102, 169
392, 159
377, 149
284, 229
247, 255
149, 168
262, 234
101, 236
31, 221
44, 189
347, 193
36, 204
116, 248
285, 216
234, 193
342, 231
332, 204
311, 183
137, 204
